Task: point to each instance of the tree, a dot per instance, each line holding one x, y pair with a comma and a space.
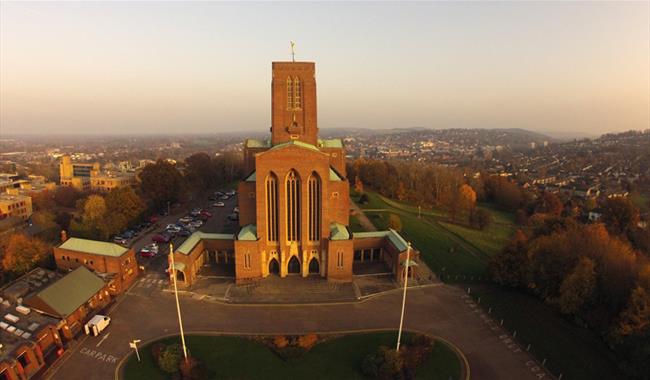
66, 196
551, 204
619, 215
400, 193
161, 182
125, 201
23, 253
384, 363
94, 208
510, 266
480, 218
169, 359
358, 185
578, 287
199, 170
635, 319
395, 222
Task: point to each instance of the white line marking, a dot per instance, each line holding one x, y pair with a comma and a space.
103, 339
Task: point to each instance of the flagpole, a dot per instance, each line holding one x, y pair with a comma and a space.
406, 279
178, 305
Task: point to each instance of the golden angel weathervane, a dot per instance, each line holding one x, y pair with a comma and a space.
293, 52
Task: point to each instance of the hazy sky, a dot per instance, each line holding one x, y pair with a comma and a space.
206, 67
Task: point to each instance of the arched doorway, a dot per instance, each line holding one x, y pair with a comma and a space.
180, 276
313, 266
294, 265
274, 267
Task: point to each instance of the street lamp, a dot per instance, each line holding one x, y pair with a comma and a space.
134, 345
178, 305
406, 264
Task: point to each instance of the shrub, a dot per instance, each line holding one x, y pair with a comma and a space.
170, 358
383, 364
307, 341
193, 369
280, 341
289, 353
156, 349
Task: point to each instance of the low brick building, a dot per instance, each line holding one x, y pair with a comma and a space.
113, 262
73, 298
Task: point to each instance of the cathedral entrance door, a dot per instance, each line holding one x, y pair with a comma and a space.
274, 267
313, 266
294, 265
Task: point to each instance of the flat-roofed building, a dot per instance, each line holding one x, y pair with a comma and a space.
115, 263
15, 205
108, 182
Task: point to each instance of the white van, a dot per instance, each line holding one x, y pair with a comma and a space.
96, 325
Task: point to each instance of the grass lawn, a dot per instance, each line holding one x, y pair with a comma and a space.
575, 352
355, 226
229, 357
445, 247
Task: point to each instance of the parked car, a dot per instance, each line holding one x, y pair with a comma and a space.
149, 250
184, 232
161, 238
173, 230
195, 212
185, 219
236, 209
196, 224
128, 234
219, 204
234, 216
225, 197
206, 213
218, 193
231, 193
120, 240
213, 197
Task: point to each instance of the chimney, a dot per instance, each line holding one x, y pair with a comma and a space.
64, 236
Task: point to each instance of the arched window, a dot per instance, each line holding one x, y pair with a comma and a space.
314, 207
271, 185
290, 94
293, 206
297, 93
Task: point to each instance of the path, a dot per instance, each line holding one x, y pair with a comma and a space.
363, 219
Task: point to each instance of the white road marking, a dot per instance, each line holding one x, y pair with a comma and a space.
103, 339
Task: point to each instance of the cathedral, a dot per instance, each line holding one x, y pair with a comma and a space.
294, 202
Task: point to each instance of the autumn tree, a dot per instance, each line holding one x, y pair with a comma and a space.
395, 222
199, 170
358, 185
161, 182
66, 196
510, 266
480, 218
125, 201
620, 215
23, 253
578, 286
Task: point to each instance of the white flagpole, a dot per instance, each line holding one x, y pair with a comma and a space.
406, 279
178, 305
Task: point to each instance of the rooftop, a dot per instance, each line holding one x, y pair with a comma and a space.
191, 242
94, 247
393, 236
248, 232
339, 232
15, 333
65, 296
13, 197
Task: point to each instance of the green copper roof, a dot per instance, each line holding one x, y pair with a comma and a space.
339, 232
251, 178
94, 247
253, 143
73, 290
393, 236
191, 242
332, 143
248, 232
179, 266
334, 175
296, 143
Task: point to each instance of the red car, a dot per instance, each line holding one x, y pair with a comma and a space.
207, 214
161, 238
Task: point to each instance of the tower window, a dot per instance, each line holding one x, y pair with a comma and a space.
290, 95
297, 92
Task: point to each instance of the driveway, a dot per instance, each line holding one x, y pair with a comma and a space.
445, 311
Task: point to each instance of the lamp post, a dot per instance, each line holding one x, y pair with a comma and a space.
178, 305
134, 345
407, 264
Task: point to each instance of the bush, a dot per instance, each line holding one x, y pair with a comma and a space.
156, 349
193, 369
385, 364
395, 222
307, 341
280, 341
170, 358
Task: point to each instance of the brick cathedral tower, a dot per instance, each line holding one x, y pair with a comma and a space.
293, 98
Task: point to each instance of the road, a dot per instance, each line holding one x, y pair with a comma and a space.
146, 313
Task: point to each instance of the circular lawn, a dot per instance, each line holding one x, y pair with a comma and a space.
235, 357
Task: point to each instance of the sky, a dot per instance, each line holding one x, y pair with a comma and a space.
205, 67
